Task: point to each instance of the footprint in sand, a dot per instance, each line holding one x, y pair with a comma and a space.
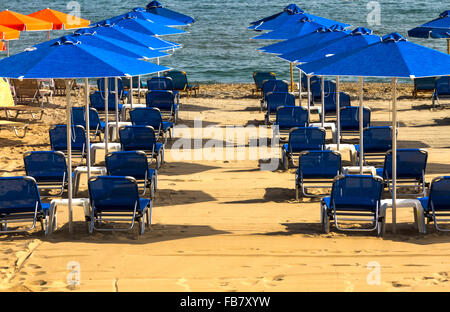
279, 278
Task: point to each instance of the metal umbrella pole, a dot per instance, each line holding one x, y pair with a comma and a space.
131, 94
292, 77
338, 115
361, 125
88, 127
106, 117
116, 82
448, 46
308, 78
69, 153
300, 88
323, 101
394, 157
139, 89
7, 48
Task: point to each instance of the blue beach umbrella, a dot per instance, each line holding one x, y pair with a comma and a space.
274, 21
142, 14
438, 28
131, 22
319, 36
394, 57
291, 15
358, 38
91, 38
70, 59
155, 7
110, 30
301, 28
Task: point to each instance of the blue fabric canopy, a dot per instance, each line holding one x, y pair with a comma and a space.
393, 57
289, 19
90, 37
303, 27
132, 22
276, 19
319, 36
438, 28
68, 59
155, 7
110, 30
358, 38
142, 14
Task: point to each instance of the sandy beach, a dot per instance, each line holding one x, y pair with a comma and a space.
226, 225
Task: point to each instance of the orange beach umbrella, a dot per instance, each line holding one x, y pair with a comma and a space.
7, 33
22, 22
60, 20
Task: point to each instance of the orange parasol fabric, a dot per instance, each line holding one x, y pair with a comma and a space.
7, 33
60, 20
22, 22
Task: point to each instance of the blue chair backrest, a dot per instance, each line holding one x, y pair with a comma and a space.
111, 86
312, 80
306, 139
331, 98
160, 83
377, 139
46, 166
443, 86
357, 193
58, 138
350, 118
126, 83
79, 117
113, 193
320, 164
131, 164
289, 117
411, 163
260, 77
179, 79
97, 100
19, 194
439, 194
137, 138
164, 100
146, 117
316, 87
428, 83
274, 86
277, 99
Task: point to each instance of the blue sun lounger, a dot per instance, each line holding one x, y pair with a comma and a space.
152, 117
442, 90
259, 78
133, 164
142, 138
330, 102
163, 83
427, 84
377, 142
436, 206
275, 100
97, 101
165, 101
58, 140
315, 169
96, 126
271, 86
20, 202
116, 199
112, 87
353, 198
48, 168
181, 83
411, 167
350, 120
301, 140
316, 90
289, 117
